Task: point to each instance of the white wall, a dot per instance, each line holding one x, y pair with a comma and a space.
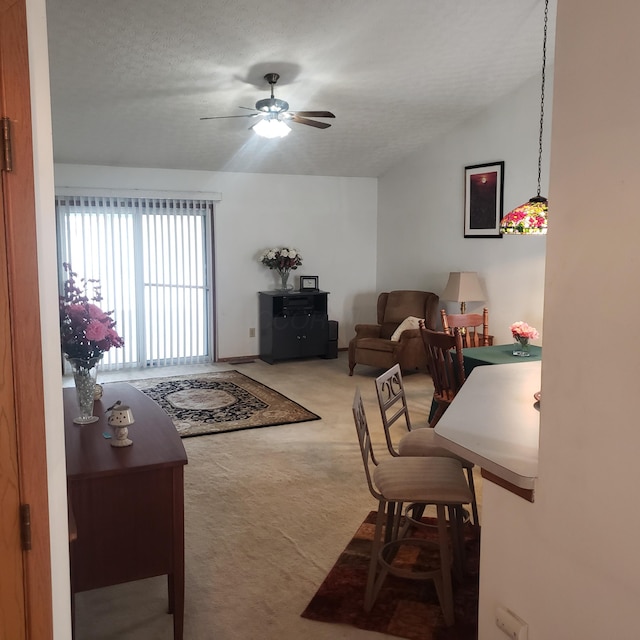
331, 221
421, 206
569, 563
49, 319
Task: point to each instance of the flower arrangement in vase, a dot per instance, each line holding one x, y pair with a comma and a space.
522, 333
86, 333
283, 260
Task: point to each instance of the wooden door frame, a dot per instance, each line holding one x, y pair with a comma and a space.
24, 317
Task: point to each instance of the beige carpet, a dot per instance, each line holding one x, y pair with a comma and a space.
221, 401
267, 513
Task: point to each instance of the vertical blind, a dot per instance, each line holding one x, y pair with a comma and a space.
153, 259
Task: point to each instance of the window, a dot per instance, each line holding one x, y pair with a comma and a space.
153, 258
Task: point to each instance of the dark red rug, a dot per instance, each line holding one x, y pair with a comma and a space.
404, 608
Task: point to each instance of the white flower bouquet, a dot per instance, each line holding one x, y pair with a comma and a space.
281, 259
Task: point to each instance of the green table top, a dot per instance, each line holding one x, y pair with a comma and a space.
497, 354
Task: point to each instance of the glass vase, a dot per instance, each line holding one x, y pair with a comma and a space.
84, 376
521, 348
284, 278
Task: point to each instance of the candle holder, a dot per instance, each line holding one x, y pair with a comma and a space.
120, 419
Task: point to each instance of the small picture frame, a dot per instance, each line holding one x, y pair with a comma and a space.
483, 197
308, 283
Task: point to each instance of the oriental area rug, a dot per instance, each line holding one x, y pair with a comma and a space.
404, 608
219, 402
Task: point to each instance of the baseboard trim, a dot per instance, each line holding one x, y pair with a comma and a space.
238, 359
247, 359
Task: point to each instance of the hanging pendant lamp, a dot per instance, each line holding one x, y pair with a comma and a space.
530, 218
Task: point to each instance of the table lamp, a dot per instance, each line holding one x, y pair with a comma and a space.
463, 287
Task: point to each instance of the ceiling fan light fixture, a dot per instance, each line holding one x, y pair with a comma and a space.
274, 113
272, 128
272, 105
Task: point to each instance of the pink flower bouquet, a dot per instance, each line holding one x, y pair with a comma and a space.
522, 331
86, 331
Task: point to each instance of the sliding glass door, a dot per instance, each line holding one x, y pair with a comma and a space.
153, 259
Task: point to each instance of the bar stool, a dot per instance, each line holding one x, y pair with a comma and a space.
417, 481
392, 401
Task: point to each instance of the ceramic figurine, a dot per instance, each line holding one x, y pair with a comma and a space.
120, 419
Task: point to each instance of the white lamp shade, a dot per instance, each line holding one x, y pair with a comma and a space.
463, 286
272, 128
121, 416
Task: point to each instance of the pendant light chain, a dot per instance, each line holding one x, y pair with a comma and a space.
544, 60
531, 217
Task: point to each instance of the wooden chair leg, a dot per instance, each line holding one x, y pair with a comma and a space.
457, 539
436, 416
442, 407
474, 504
446, 598
461, 546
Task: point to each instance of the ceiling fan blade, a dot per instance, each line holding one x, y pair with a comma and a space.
314, 114
312, 123
246, 115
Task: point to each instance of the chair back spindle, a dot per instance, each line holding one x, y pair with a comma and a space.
470, 325
446, 364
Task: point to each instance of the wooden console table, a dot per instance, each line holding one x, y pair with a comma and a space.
127, 503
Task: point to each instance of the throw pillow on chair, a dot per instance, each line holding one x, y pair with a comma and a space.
408, 323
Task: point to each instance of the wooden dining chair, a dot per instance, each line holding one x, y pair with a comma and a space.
470, 325
416, 481
420, 442
446, 365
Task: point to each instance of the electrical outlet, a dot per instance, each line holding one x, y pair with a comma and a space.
252, 332
510, 624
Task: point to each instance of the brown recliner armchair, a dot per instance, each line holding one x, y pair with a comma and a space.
372, 344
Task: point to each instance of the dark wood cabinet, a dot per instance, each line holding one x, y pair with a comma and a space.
293, 324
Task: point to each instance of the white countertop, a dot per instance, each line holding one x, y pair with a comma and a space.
493, 423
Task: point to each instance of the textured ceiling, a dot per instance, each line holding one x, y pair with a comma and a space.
130, 80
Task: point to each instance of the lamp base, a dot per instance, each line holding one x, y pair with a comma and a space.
121, 443
121, 437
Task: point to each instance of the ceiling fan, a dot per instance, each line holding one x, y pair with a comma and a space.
274, 114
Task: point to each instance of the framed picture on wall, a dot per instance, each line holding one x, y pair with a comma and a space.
483, 196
